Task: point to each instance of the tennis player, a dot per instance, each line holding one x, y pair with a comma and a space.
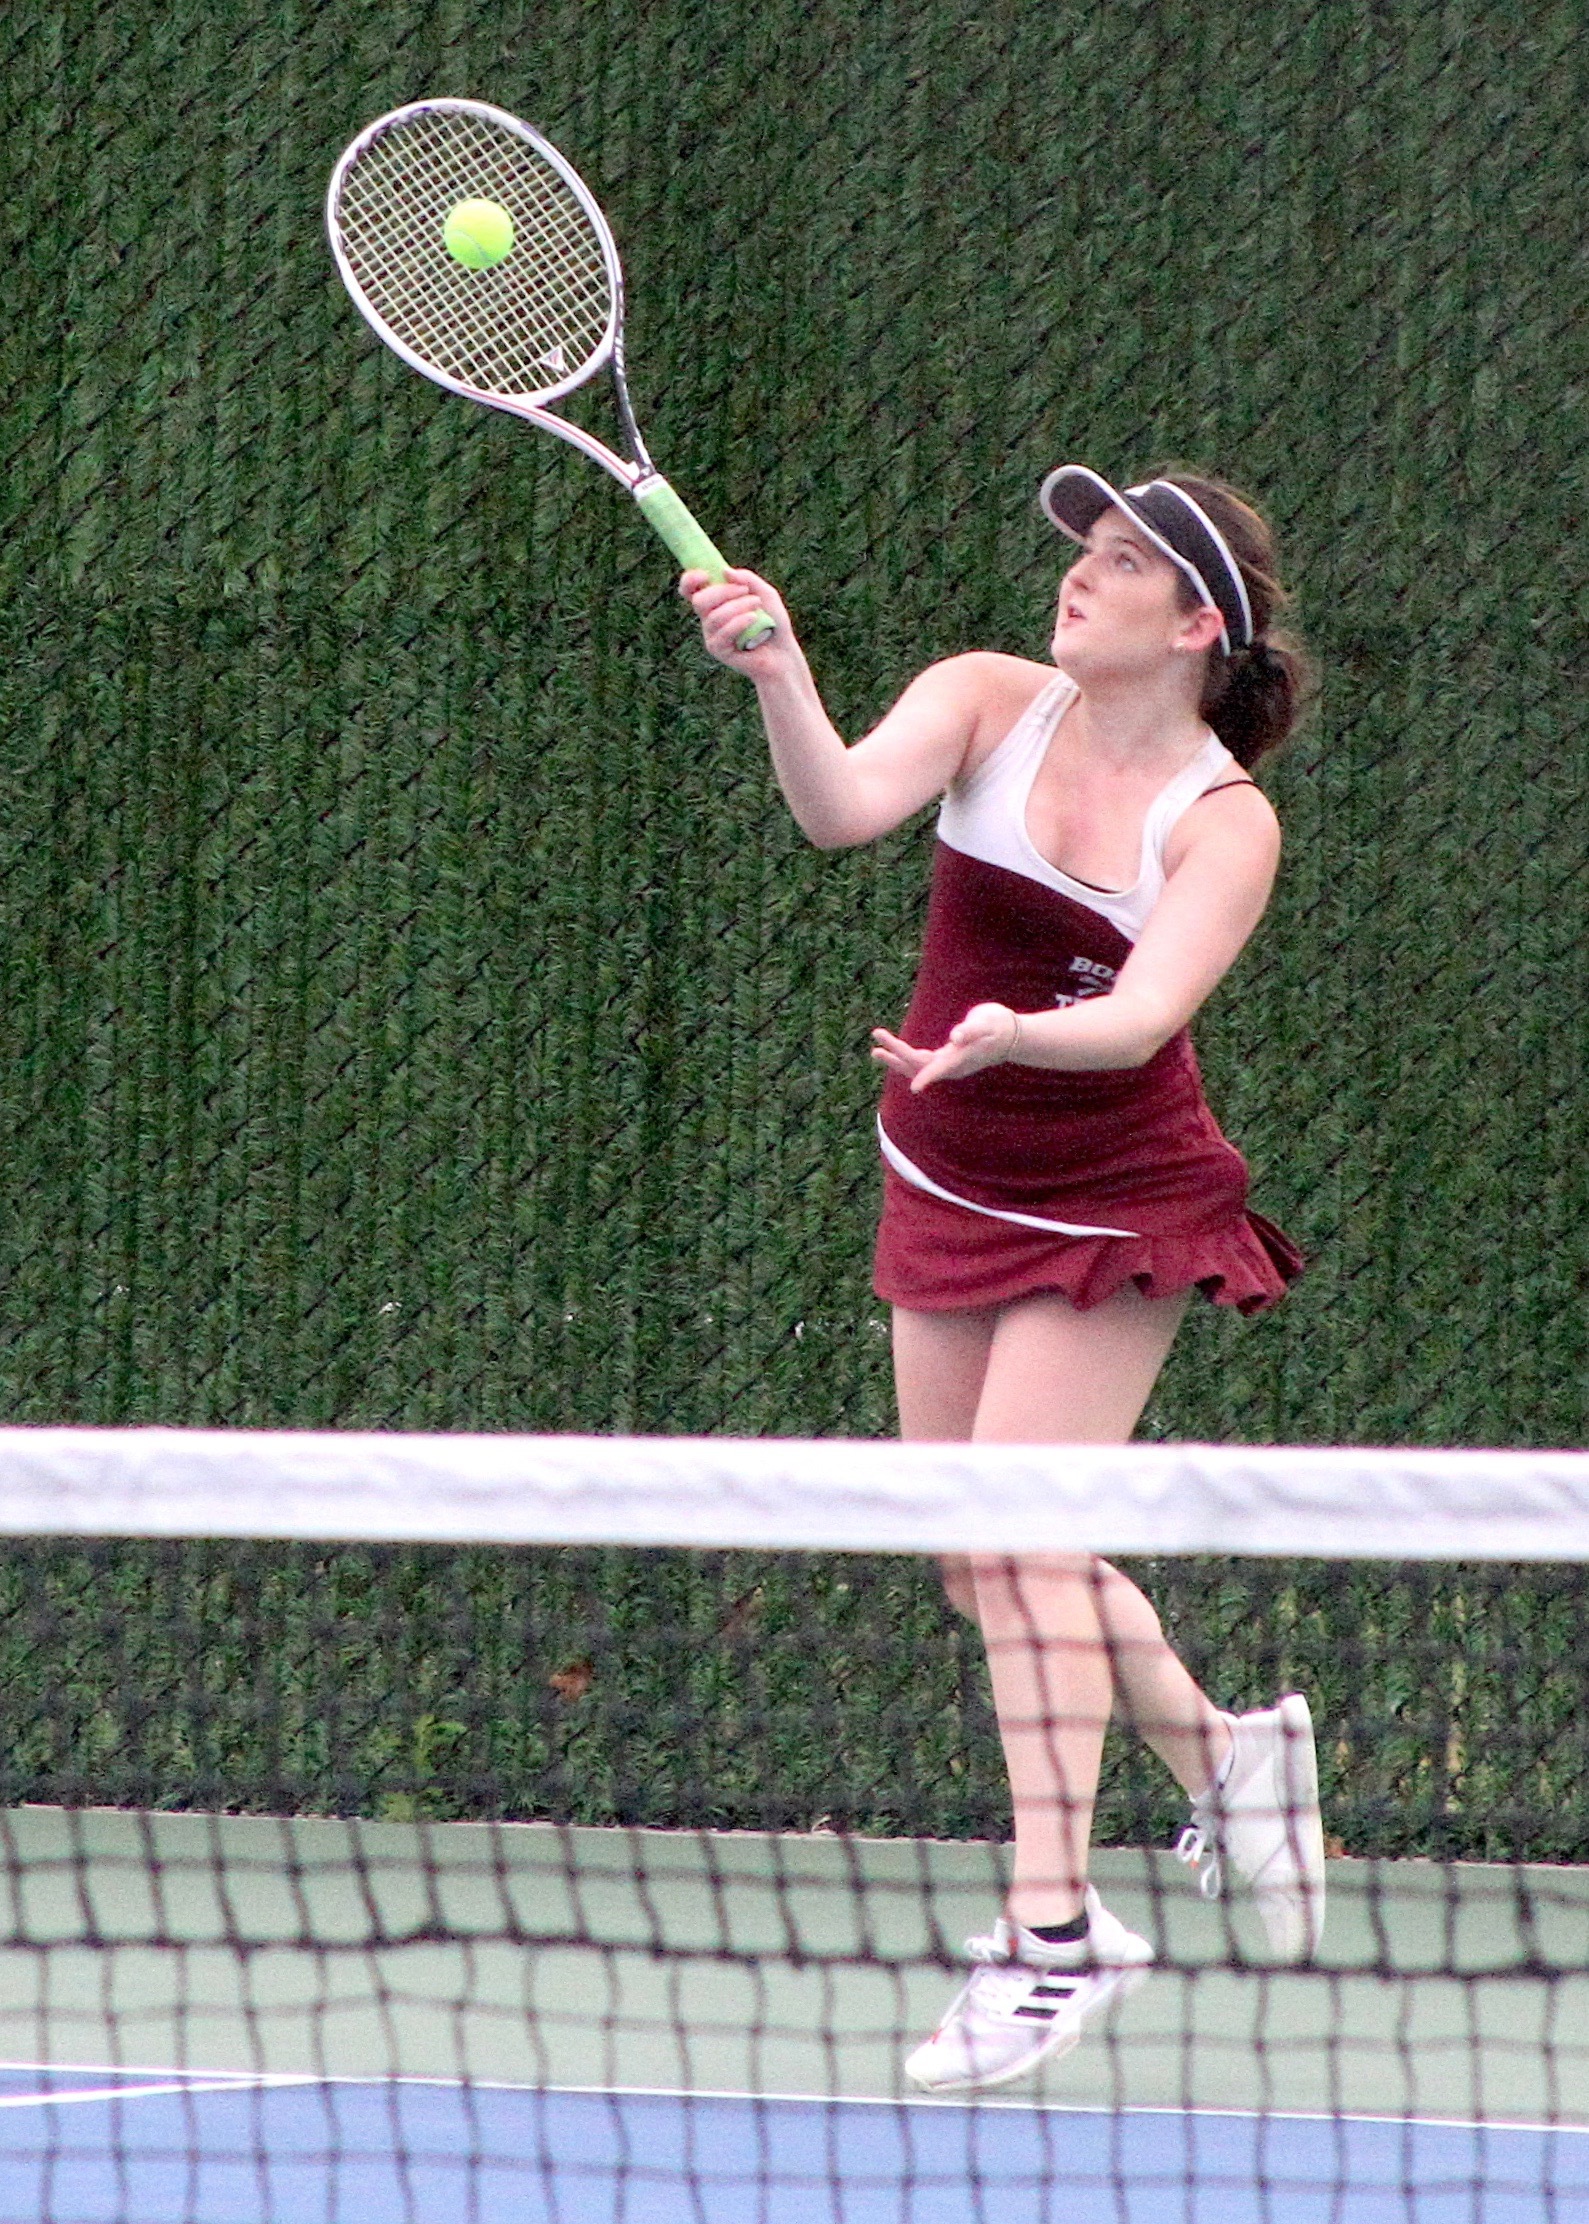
1055, 1186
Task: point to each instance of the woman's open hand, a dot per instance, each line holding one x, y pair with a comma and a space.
985, 1037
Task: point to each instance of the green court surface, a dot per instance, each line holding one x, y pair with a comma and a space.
740, 1963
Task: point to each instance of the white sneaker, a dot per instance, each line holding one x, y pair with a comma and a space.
1028, 2001
1263, 1819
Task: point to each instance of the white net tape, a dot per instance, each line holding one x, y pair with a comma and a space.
521, 328
784, 1492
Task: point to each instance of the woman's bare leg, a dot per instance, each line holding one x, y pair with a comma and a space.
1063, 1633
1063, 1377
940, 1362
1154, 1692
1057, 1375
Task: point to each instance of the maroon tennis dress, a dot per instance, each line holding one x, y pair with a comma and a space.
1020, 1179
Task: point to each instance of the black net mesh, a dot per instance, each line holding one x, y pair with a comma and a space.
418, 1011
407, 1880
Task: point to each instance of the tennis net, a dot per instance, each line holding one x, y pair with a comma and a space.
589, 1829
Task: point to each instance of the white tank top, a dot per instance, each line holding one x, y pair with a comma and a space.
984, 814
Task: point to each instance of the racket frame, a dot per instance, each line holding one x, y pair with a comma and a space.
662, 506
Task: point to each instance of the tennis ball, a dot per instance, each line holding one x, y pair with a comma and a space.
478, 234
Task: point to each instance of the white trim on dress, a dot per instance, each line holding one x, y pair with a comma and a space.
913, 1174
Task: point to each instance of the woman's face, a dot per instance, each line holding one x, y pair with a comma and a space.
1121, 612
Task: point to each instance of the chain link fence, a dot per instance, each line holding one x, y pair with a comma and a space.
418, 1009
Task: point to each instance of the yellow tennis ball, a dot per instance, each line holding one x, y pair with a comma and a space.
478, 234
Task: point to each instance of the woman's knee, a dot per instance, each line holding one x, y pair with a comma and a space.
1033, 1590
1125, 1609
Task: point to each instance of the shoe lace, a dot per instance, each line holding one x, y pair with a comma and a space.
1198, 1845
989, 1949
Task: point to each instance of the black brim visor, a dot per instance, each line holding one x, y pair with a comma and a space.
1074, 498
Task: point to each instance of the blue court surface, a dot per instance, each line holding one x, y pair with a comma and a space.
98, 2147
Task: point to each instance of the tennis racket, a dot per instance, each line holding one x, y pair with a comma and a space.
477, 253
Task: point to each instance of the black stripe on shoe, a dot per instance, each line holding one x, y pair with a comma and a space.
1054, 1992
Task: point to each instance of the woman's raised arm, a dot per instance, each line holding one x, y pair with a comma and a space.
842, 796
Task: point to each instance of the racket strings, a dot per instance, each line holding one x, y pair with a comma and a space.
520, 328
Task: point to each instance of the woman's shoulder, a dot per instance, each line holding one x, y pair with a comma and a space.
995, 690
1232, 816
990, 672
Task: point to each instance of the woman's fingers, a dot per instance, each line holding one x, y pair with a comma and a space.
943, 1065
736, 580
728, 607
980, 1040
919, 1067
895, 1053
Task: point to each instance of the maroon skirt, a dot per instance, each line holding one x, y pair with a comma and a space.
934, 1257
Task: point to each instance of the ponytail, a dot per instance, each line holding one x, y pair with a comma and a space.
1254, 696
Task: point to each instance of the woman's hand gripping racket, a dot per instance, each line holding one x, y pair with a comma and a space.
473, 249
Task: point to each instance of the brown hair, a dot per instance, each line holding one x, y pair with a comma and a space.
1253, 697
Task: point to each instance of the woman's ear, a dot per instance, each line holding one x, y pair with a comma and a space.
1201, 631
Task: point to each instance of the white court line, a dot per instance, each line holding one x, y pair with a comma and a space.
129, 2069
164, 2082
1047, 2107
231, 2081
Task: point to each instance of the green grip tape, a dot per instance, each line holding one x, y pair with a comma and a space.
694, 548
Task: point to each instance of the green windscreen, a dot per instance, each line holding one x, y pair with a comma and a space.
418, 1009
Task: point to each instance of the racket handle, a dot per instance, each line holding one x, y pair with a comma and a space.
692, 545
